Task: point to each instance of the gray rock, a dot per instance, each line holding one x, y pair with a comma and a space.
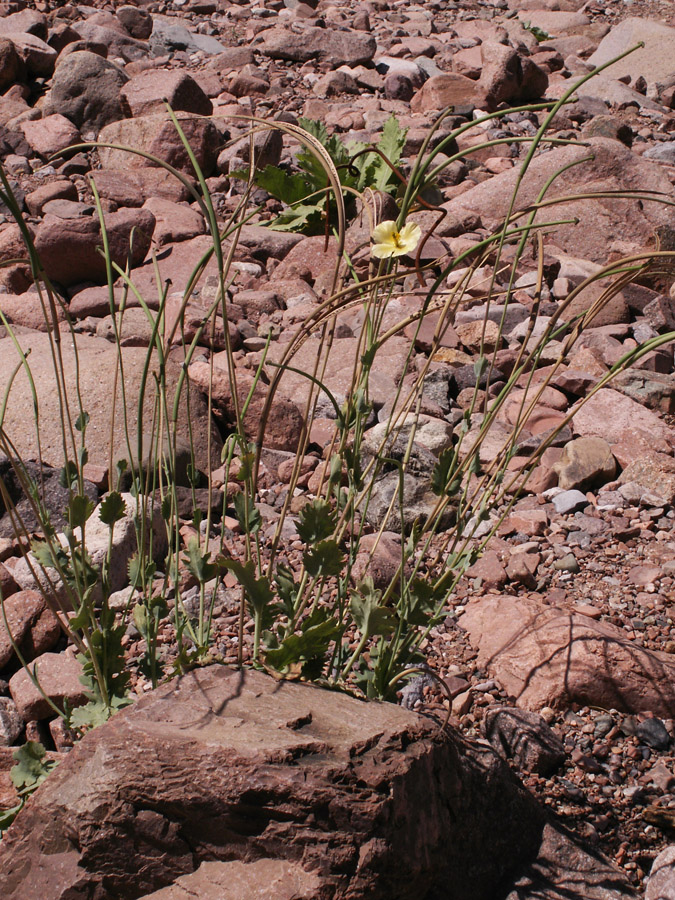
86, 89
569, 501
664, 152
167, 37
653, 733
11, 723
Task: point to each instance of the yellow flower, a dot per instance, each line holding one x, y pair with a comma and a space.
389, 242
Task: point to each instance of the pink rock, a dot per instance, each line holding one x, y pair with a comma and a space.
174, 222
655, 472
145, 93
132, 187
10, 63
26, 310
447, 90
59, 677
50, 135
33, 626
378, 559
547, 656
38, 57
620, 420
506, 76
661, 884
157, 135
68, 248
59, 189
490, 571
532, 522
522, 568
600, 221
235, 880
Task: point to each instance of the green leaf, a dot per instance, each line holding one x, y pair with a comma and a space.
319, 631
424, 599
391, 144
82, 421
442, 481
324, 559
197, 563
287, 589
316, 521
140, 573
7, 816
258, 590
32, 768
68, 475
287, 188
112, 508
479, 367
369, 615
247, 514
79, 509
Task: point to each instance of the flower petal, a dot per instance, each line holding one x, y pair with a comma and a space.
384, 232
409, 236
384, 250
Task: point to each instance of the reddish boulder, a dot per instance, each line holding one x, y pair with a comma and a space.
546, 656
233, 766
69, 248
59, 677
33, 627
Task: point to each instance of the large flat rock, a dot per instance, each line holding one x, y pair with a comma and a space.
96, 365
371, 800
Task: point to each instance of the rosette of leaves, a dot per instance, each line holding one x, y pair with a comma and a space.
359, 166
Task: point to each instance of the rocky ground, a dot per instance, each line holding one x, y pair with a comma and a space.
569, 613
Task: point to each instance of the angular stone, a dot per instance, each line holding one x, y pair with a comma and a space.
11, 724
450, 89
32, 625
231, 766
10, 63
490, 570
525, 738
284, 423
506, 76
379, 557
563, 869
620, 420
661, 883
174, 221
38, 57
145, 93
157, 135
69, 248
264, 879
98, 371
546, 656
329, 46
51, 134
599, 221
59, 677
138, 22
654, 61
655, 472
132, 187
586, 463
